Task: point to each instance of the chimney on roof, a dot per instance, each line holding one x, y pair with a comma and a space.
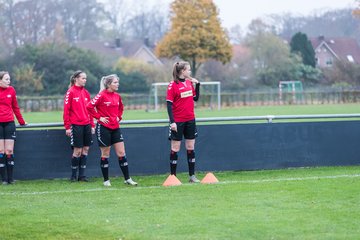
321, 38
147, 42
117, 43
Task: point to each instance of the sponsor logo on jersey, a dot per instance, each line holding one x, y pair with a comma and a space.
186, 94
76, 99
107, 103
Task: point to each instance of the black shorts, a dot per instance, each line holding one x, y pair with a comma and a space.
80, 136
107, 137
188, 129
8, 130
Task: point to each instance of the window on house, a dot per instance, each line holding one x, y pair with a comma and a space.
329, 62
350, 58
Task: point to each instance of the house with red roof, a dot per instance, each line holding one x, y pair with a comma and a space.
329, 50
112, 51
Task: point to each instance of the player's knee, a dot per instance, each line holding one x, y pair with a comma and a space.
105, 152
76, 154
120, 153
175, 148
85, 151
190, 145
9, 151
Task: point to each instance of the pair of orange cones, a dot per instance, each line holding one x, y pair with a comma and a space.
172, 180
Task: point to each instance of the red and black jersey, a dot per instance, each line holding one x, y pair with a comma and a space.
9, 106
75, 111
181, 94
107, 104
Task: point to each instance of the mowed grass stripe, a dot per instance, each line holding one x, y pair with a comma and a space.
184, 184
308, 203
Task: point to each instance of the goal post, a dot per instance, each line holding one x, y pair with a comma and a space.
210, 90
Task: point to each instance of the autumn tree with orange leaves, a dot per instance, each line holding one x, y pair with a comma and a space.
195, 35
356, 11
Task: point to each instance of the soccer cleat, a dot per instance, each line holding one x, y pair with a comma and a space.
130, 182
83, 179
107, 183
193, 179
73, 179
4, 182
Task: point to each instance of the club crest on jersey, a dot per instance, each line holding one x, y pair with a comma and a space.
186, 94
9, 96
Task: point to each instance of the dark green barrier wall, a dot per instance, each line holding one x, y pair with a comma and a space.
46, 153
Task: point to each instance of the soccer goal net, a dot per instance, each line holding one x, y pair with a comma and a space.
209, 96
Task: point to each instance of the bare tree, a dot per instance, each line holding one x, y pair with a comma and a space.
118, 14
236, 34
8, 33
79, 18
148, 22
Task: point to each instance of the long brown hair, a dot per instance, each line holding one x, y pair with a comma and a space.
178, 67
2, 74
75, 75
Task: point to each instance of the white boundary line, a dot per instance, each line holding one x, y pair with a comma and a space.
188, 184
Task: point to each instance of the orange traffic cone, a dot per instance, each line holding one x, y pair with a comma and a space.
209, 178
171, 180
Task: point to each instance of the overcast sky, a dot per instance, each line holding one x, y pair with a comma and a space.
234, 12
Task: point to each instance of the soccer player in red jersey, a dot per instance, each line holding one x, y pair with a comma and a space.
8, 107
79, 126
180, 98
108, 108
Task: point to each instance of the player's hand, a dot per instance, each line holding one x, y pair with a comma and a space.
104, 120
194, 80
92, 130
173, 127
68, 132
25, 123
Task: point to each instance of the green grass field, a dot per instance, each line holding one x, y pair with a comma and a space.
45, 117
303, 203
314, 203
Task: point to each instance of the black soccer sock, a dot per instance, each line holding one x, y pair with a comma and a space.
74, 166
82, 166
173, 162
191, 161
124, 167
104, 164
10, 167
2, 167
